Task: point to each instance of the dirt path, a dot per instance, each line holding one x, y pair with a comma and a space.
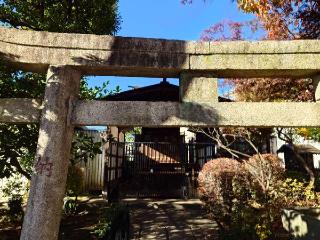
169, 219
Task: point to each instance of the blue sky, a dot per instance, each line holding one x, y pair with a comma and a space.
171, 20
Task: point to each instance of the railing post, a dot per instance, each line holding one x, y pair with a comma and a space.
205, 153
48, 182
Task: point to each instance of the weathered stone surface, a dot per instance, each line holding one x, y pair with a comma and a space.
19, 110
169, 114
198, 88
47, 190
173, 114
90, 41
196, 47
295, 64
265, 47
145, 57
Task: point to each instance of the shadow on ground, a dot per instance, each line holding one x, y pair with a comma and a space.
172, 219
77, 227
81, 225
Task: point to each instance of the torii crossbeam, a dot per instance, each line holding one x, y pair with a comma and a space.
67, 57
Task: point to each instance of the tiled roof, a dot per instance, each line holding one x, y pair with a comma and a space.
162, 91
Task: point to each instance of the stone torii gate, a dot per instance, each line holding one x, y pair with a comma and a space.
66, 57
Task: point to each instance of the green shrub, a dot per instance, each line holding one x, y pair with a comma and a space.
114, 219
15, 207
247, 199
299, 176
317, 183
266, 174
74, 181
14, 186
70, 206
73, 189
14, 189
216, 189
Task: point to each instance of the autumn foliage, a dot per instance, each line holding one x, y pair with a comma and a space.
246, 199
286, 19
272, 89
215, 178
216, 190
281, 20
278, 20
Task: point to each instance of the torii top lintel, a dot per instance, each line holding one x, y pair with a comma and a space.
145, 57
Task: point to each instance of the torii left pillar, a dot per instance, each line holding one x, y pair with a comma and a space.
48, 182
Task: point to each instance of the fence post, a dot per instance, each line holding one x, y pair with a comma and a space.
123, 158
116, 174
48, 182
205, 153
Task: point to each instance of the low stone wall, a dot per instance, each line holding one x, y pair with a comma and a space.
302, 223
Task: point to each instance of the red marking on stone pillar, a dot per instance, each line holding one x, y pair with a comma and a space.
44, 166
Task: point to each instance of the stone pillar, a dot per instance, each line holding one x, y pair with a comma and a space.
48, 182
316, 85
316, 80
195, 89
198, 88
